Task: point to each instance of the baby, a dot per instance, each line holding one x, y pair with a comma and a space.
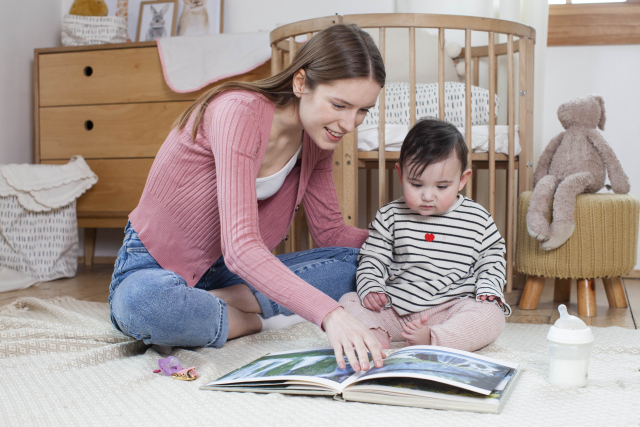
432, 270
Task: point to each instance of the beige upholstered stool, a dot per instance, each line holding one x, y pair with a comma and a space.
604, 244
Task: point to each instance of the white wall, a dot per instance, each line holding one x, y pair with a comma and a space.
259, 15
606, 70
24, 26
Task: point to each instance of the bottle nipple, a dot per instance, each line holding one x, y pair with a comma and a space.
567, 321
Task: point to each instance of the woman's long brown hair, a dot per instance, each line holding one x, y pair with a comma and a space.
339, 52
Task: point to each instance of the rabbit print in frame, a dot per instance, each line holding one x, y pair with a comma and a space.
200, 17
157, 19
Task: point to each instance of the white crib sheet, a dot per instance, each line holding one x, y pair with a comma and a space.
395, 133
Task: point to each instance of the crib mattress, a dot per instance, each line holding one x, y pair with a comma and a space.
395, 134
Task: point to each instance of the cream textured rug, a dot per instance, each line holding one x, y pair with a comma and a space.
63, 364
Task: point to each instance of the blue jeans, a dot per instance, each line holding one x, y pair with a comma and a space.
156, 306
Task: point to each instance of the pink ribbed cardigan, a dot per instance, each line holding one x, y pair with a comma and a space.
200, 202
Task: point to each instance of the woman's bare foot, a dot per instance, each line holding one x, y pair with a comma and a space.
241, 323
417, 332
383, 338
240, 297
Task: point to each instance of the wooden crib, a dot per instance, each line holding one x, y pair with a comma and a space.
347, 158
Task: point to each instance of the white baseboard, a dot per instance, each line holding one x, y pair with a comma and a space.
633, 274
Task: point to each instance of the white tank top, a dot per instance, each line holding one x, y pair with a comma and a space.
268, 186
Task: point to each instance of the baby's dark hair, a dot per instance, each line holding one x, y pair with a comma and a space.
431, 141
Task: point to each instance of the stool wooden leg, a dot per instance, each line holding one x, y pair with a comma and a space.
587, 297
562, 290
615, 292
532, 292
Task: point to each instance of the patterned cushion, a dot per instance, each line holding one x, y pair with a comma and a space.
397, 104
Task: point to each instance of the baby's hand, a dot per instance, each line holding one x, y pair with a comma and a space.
375, 301
491, 298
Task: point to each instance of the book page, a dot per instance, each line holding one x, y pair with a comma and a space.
461, 369
428, 389
316, 365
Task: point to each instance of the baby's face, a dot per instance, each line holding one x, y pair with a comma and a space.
436, 190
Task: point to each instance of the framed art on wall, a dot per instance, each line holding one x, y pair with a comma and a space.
196, 10
200, 17
157, 19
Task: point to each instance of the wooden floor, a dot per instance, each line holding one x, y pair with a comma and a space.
92, 284
547, 311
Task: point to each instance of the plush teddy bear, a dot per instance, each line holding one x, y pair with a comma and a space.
574, 162
89, 8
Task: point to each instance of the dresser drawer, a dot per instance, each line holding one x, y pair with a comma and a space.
107, 131
118, 190
112, 76
103, 77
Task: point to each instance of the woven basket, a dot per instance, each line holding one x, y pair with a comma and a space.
604, 243
90, 30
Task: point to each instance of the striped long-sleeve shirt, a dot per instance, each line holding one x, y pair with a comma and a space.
422, 261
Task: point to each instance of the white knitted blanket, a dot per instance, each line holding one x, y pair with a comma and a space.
190, 63
62, 364
42, 188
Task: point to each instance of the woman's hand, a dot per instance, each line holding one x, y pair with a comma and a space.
346, 332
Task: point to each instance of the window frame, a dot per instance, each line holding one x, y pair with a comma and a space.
594, 24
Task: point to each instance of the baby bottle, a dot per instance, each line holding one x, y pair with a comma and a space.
570, 342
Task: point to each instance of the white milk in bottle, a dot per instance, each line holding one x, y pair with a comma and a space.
570, 342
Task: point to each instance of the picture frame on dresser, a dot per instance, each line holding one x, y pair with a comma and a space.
111, 105
157, 19
214, 11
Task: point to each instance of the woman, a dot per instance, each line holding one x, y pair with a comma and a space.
195, 267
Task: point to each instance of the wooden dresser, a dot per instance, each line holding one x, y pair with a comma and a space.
111, 105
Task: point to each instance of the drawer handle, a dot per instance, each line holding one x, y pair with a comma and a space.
88, 125
88, 71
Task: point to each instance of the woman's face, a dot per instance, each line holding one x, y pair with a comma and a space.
332, 110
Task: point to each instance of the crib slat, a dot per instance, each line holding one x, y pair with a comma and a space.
309, 36
530, 70
276, 60
510, 171
412, 76
467, 105
349, 207
495, 64
293, 48
441, 73
368, 196
338, 174
476, 71
310, 241
382, 199
492, 125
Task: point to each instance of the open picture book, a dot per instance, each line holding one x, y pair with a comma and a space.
421, 376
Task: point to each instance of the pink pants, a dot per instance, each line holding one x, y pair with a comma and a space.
462, 323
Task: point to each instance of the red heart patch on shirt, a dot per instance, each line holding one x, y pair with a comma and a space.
429, 237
